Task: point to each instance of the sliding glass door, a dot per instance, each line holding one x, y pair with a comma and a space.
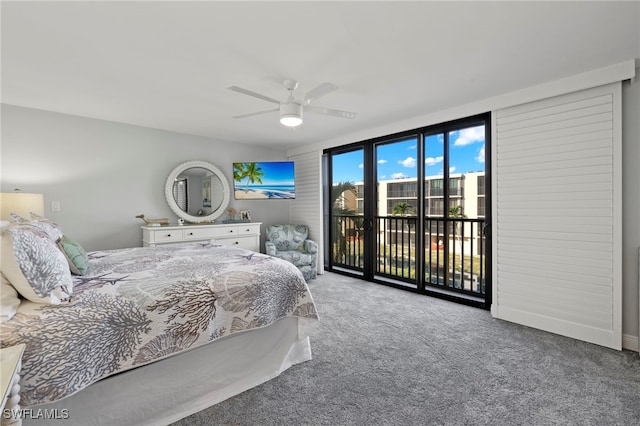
455, 218
397, 208
411, 210
346, 200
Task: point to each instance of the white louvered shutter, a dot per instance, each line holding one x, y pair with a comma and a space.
558, 215
306, 209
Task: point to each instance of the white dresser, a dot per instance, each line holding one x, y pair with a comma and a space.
245, 235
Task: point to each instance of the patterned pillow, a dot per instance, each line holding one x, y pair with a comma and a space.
52, 229
16, 218
75, 254
34, 266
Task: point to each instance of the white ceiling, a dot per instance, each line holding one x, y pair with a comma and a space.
167, 65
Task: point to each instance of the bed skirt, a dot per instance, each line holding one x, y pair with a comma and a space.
176, 387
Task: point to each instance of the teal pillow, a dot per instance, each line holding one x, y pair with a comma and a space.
75, 254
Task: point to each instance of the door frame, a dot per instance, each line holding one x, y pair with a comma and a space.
370, 208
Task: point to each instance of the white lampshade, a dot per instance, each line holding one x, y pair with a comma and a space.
291, 114
21, 203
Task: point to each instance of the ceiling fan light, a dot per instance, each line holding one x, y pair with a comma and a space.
291, 114
290, 120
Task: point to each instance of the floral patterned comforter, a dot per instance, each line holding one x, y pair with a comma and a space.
138, 305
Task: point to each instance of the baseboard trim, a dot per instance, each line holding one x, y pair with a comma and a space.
630, 342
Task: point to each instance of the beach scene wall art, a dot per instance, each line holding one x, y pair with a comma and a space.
264, 180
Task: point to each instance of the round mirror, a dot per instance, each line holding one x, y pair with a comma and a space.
197, 191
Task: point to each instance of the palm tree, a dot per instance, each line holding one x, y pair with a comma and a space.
455, 212
238, 172
338, 199
252, 172
338, 204
402, 209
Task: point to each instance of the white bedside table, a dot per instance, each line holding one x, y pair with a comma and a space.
10, 364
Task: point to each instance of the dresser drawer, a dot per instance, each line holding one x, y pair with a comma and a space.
166, 236
248, 243
224, 231
249, 228
199, 233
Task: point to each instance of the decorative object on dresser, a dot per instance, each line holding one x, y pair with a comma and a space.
231, 212
290, 242
10, 365
197, 191
244, 216
245, 235
153, 222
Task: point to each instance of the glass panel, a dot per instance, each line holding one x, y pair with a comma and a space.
434, 226
466, 167
395, 223
347, 201
466, 204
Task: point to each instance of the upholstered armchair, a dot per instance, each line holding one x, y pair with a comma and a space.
289, 242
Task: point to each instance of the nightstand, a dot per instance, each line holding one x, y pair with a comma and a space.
10, 364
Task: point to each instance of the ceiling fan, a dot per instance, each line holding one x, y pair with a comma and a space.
291, 109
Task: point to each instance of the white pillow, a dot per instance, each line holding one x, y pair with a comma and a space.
9, 300
34, 265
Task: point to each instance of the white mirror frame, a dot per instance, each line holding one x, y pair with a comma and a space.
168, 191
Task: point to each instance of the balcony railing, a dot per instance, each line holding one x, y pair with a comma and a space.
454, 250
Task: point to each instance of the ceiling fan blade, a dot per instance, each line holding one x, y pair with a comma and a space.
332, 112
255, 113
254, 94
319, 91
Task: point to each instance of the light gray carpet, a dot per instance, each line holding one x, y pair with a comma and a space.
384, 356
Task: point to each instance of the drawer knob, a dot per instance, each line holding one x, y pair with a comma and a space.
168, 235
236, 242
190, 233
231, 231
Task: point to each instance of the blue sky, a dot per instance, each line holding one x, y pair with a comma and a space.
399, 159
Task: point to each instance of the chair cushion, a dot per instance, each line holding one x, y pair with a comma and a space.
296, 257
287, 237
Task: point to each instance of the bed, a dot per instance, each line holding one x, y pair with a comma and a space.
151, 335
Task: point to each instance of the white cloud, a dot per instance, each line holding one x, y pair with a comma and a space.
431, 161
469, 136
361, 166
382, 161
480, 157
398, 175
452, 169
408, 162
413, 147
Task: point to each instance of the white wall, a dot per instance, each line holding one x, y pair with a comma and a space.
105, 173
